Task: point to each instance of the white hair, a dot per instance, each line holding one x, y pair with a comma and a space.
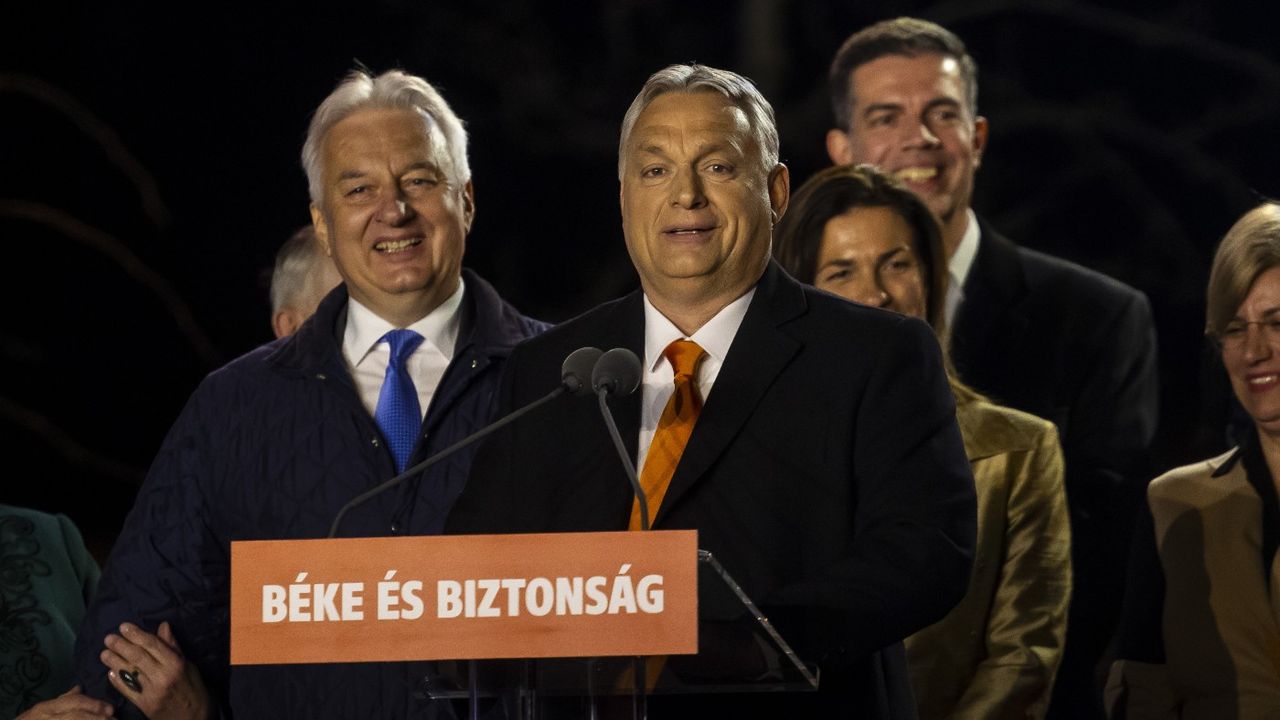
392, 89
700, 78
297, 272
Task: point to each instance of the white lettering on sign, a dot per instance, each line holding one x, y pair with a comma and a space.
540, 596
301, 601
328, 602
399, 601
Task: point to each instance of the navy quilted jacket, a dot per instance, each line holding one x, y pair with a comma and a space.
270, 447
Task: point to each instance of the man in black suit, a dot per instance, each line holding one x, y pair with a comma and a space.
1034, 332
824, 468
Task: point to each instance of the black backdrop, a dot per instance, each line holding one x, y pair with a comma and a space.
149, 158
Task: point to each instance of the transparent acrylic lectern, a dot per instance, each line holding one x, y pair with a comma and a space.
739, 651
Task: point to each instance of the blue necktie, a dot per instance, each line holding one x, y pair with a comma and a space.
398, 413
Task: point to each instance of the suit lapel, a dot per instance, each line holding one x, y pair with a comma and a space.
991, 319
625, 328
622, 326
760, 351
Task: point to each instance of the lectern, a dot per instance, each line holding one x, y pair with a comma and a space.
530, 627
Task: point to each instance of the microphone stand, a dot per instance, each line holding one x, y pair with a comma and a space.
603, 394
606, 384
577, 366
478, 435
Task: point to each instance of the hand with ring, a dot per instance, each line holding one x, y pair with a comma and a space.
151, 672
70, 705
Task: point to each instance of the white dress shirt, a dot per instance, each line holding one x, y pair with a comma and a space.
659, 381
959, 266
367, 354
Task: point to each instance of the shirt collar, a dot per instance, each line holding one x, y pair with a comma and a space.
962, 261
439, 328
714, 337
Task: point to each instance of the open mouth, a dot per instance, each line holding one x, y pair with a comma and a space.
395, 246
689, 232
1260, 382
917, 174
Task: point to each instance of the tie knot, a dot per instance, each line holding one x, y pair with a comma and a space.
684, 356
403, 342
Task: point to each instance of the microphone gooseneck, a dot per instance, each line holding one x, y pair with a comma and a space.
617, 373
575, 368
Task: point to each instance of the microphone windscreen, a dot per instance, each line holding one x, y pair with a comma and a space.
617, 372
575, 373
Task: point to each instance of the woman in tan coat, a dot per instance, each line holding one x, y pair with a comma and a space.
856, 233
1200, 636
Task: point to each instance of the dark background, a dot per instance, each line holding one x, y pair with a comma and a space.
150, 170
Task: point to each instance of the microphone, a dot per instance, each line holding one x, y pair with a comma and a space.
574, 372
617, 373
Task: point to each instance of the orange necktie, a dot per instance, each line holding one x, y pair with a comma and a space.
674, 427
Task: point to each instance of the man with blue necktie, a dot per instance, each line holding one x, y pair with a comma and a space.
400, 361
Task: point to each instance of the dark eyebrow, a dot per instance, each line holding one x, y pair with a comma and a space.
846, 262
897, 107
890, 253
709, 148
881, 107
942, 101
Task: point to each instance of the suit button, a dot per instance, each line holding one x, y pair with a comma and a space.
395, 527
374, 441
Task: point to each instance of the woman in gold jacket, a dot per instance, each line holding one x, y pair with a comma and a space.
1200, 635
855, 232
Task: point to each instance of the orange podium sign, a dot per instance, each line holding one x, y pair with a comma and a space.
464, 597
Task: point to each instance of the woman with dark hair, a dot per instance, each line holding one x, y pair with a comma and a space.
1200, 632
855, 232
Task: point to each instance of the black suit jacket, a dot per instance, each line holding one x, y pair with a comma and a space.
1076, 347
826, 472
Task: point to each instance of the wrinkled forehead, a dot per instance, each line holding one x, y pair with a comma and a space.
899, 75
692, 119
387, 130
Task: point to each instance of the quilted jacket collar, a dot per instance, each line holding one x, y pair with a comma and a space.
490, 327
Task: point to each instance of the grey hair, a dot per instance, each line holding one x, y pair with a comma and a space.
360, 90
295, 274
700, 78
1250, 248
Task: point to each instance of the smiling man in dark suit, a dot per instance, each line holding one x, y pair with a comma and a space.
823, 466
1032, 331
398, 363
